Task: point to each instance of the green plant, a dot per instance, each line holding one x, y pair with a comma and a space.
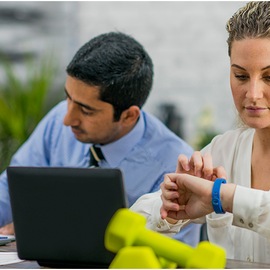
206, 131
23, 102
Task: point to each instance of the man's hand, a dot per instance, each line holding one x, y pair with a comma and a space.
7, 229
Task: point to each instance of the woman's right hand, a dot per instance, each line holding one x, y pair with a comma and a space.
185, 197
200, 165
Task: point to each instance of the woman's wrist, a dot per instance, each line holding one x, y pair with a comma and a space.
226, 196
216, 199
171, 220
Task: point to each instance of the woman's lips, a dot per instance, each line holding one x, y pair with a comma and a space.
255, 109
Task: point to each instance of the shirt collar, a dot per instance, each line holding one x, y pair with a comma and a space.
116, 151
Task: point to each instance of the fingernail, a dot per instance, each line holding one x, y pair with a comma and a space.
186, 167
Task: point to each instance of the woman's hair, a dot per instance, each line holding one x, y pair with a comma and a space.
250, 21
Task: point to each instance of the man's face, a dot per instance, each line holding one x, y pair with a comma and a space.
90, 119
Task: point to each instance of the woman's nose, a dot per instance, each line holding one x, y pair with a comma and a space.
255, 90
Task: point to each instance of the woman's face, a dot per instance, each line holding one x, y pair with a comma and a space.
250, 81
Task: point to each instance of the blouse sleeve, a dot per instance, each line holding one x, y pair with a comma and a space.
251, 210
149, 205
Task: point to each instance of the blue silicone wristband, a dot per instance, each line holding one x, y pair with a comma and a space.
216, 203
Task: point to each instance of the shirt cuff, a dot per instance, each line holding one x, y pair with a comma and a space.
161, 225
149, 206
246, 207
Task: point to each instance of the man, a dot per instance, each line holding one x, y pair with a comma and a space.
108, 82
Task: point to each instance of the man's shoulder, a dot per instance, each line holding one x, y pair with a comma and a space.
159, 135
59, 108
156, 127
56, 113
153, 124
52, 122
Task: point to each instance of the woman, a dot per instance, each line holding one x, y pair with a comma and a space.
244, 153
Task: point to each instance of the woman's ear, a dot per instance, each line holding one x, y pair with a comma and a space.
130, 116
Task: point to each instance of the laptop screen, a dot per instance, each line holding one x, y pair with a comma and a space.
60, 214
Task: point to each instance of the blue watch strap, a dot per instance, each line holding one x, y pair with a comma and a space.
216, 203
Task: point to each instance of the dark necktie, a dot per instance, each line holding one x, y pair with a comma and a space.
95, 156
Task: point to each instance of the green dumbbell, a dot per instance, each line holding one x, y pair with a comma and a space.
139, 257
127, 228
135, 257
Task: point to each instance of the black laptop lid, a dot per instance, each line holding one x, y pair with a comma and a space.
60, 214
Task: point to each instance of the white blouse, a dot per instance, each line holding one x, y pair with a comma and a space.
245, 234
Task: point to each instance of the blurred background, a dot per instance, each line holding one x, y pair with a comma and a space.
186, 40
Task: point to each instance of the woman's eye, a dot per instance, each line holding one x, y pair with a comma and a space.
241, 77
267, 78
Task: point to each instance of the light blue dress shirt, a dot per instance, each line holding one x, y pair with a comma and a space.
144, 155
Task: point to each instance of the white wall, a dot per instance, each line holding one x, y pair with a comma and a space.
187, 42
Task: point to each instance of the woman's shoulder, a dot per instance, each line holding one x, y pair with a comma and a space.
235, 135
230, 140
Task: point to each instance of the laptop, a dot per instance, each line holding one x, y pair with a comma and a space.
60, 214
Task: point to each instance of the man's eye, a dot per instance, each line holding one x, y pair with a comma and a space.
86, 112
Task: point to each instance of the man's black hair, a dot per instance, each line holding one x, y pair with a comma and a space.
119, 66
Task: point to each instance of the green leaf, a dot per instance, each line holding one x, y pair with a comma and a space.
23, 102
